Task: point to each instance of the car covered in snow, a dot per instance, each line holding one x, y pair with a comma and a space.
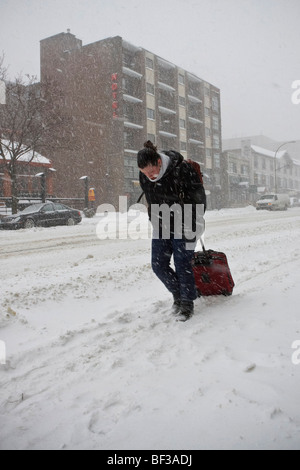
273, 202
42, 215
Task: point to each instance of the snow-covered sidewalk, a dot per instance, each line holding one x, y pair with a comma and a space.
95, 360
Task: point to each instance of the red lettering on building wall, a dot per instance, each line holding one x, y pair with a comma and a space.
114, 88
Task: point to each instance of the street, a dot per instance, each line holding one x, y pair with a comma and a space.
95, 360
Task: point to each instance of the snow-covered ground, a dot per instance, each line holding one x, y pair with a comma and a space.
95, 360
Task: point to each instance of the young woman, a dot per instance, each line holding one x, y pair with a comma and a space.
171, 183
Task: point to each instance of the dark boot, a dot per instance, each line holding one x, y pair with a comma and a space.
176, 306
186, 311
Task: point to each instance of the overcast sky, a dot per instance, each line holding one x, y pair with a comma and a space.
250, 49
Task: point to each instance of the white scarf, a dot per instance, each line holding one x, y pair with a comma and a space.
165, 161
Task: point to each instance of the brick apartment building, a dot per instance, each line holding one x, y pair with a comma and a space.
118, 96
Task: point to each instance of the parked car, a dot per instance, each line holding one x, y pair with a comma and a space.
295, 202
273, 202
42, 215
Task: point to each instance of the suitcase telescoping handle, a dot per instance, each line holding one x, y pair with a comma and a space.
205, 252
202, 244
202, 258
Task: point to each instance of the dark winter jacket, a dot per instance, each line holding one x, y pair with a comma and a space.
179, 185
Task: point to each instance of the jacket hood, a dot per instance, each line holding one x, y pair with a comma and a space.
175, 159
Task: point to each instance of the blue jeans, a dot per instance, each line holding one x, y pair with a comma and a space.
181, 282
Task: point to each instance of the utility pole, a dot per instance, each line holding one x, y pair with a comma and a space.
275, 164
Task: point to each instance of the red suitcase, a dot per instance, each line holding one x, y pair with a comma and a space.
212, 273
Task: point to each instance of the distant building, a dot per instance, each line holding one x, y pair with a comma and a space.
28, 166
119, 95
250, 170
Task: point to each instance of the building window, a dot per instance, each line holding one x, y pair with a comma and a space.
149, 63
166, 143
181, 79
232, 167
183, 146
181, 101
215, 123
150, 113
216, 141
245, 170
217, 160
215, 104
182, 123
207, 132
129, 172
128, 140
150, 88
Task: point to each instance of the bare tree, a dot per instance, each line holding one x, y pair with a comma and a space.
31, 121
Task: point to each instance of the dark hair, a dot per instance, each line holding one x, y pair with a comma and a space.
148, 156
